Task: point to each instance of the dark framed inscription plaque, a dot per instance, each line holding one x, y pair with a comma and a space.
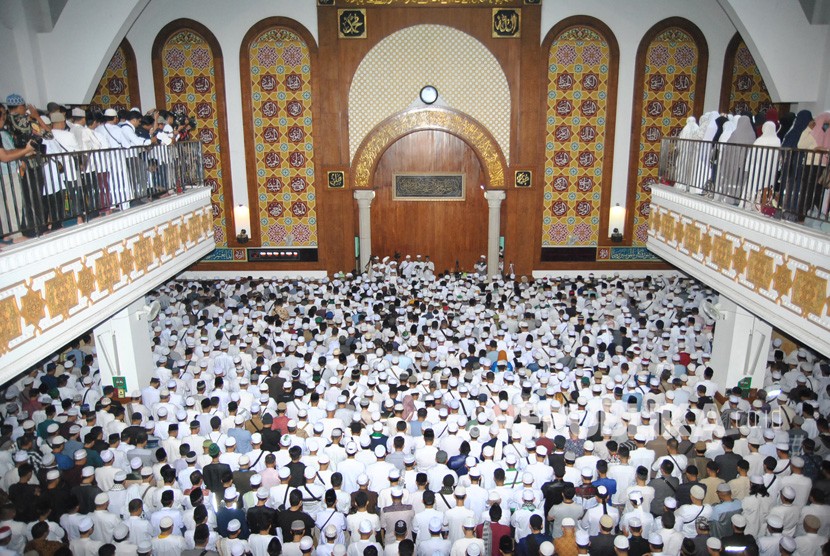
428, 187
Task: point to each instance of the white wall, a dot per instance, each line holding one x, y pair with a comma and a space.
20, 65
228, 22
76, 52
629, 22
790, 52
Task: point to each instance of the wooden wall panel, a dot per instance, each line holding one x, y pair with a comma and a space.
522, 65
446, 231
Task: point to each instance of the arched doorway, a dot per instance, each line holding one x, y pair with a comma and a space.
449, 232
472, 135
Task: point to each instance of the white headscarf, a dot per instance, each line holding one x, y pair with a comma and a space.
708, 126
768, 137
729, 127
691, 129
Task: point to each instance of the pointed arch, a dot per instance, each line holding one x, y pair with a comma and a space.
742, 87
188, 77
581, 76
669, 85
453, 61
277, 57
453, 122
118, 86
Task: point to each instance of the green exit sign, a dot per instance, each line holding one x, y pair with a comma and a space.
120, 384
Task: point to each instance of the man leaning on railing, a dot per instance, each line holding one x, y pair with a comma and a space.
88, 140
79, 164
12, 191
25, 127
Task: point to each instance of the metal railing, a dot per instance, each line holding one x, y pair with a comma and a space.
781, 183
44, 192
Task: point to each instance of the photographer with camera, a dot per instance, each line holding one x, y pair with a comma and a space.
183, 126
11, 212
26, 127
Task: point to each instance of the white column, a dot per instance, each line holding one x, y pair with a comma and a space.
494, 199
740, 346
364, 200
125, 348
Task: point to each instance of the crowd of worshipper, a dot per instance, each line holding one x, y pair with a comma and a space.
128, 157
390, 415
752, 170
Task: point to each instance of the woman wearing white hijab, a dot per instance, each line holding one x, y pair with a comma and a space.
711, 127
686, 153
731, 177
702, 163
729, 128
762, 165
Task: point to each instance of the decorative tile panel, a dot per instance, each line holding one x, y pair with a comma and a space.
669, 83
779, 270
60, 285
188, 68
748, 92
280, 66
577, 109
113, 89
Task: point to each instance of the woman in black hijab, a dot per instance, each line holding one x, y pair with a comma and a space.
785, 123
792, 172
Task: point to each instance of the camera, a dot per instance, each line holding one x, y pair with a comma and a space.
23, 132
183, 119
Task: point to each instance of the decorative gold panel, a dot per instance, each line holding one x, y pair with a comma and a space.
61, 294
454, 123
10, 317
760, 269
721, 252
667, 227
809, 291
678, 231
32, 308
739, 260
782, 279
127, 262
705, 245
691, 239
76, 286
172, 240
656, 221
142, 251
86, 281
803, 290
107, 270
158, 245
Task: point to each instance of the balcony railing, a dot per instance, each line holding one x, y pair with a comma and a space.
44, 192
780, 183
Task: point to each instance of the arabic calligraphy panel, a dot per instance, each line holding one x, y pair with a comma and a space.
748, 92
281, 97
428, 187
577, 110
188, 60
668, 88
